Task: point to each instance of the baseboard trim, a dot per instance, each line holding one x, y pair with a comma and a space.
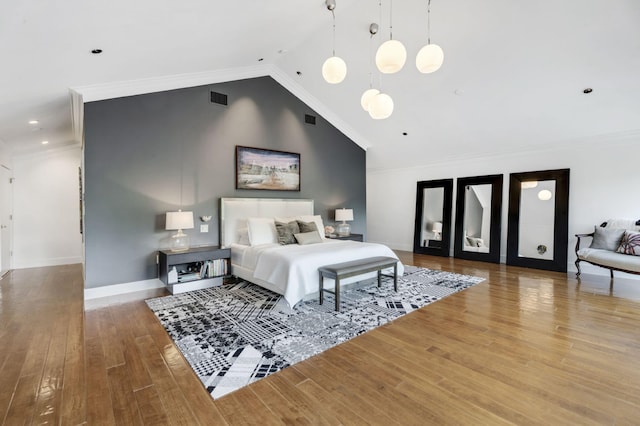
47, 262
117, 289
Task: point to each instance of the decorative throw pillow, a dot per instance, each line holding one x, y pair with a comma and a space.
307, 226
305, 238
286, 232
606, 239
630, 243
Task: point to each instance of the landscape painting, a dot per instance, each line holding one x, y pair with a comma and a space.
267, 169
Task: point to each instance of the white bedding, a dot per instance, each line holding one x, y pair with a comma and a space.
292, 270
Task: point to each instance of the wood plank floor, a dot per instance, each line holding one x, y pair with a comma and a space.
523, 347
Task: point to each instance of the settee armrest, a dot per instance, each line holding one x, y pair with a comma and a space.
578, 236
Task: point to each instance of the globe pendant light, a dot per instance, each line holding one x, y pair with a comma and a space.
381, 106
366, 98
431, 56
334, 69
370, 92
391, 54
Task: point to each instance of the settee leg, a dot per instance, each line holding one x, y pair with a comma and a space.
578, 267
611, 270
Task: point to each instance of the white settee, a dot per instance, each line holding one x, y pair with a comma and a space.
615, 245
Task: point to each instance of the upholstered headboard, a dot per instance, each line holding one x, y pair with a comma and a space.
235, 211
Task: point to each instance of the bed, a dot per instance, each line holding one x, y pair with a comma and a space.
290, 270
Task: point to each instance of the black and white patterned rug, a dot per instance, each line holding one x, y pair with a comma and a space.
236, 334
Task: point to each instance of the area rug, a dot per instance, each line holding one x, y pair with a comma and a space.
236, 334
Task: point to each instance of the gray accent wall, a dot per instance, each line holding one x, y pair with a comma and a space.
148, 154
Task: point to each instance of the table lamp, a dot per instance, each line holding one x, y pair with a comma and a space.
178, 221
343, 229
437, 231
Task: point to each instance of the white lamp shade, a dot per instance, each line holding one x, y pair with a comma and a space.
334, 70
366, 98
545, 195
381, 106
179, 220
344, 214
429, 58
391, 56
437, 227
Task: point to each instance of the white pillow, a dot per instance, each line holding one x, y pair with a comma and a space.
262, 230
243, 236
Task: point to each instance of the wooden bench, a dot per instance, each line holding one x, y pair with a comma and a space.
352, 268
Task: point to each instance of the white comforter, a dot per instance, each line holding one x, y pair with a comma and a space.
293, 269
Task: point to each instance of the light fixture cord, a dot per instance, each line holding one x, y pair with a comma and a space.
371, 60
391, 20
429, 22
333, 13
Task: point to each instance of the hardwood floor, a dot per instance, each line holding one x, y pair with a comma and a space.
523, 347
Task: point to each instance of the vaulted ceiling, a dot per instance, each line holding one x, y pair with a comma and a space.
512, 79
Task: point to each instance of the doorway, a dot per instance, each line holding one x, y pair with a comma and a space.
5, 219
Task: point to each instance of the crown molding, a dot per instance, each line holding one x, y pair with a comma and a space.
97, 92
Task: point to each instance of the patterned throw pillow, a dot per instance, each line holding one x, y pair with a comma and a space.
286, 232
630, 243
307, 226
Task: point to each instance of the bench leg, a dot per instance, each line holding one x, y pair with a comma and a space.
611, 270
321, 289
379, 277
395, 277
337, 293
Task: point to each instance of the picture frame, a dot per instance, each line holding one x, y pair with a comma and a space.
266, 169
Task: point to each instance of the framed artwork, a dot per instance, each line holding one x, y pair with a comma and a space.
258, 168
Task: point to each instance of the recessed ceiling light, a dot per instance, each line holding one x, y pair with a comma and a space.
33, 122
404, 133
587, 90
96, 51
45, 142
260, 59
299, 72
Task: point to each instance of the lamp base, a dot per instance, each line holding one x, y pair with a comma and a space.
179, 241
343, 229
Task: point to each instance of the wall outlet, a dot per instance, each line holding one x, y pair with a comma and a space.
204, 228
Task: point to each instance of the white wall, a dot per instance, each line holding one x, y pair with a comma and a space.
46, 209
5, 156
604, 184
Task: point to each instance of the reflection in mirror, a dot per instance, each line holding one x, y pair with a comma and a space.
537, 210
539, 220
433, 217
432, 207
478, 218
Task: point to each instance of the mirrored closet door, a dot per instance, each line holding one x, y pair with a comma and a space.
432, 233
539, 220
478, 218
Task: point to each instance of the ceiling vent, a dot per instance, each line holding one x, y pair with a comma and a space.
218, 98
310, 119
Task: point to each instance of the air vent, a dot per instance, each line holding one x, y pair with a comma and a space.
310, 119
218, 98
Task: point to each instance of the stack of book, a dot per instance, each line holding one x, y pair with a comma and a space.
213, 268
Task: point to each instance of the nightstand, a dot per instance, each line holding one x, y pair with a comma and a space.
195, 269
352, 237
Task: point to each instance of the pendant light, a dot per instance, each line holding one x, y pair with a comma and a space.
381, 106
370, 92
391, 54
431, 56
334, 69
